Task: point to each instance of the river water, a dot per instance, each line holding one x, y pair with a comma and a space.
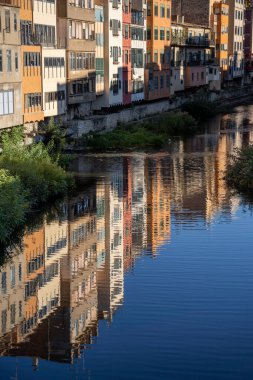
146, 273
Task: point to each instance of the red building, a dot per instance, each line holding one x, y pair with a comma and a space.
127, 74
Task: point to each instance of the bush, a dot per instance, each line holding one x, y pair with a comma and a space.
33, 173
240, 171
13, 205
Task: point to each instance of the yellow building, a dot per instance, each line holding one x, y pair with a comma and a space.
221, 20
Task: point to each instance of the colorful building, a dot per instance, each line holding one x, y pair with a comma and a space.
127, 66
31, 64
157, 76
221, 22
10, 64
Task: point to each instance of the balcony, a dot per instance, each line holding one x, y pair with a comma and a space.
13, 3
192, 41
137, 18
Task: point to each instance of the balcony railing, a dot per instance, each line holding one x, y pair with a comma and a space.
191, 41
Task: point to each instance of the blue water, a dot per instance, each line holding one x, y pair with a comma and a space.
178, 305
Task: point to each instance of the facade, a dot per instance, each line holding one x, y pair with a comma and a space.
127, 64
31, 49
138, 48
248, 42
99, 17
157, 76
113, 63
221, 17
193, 57
10, 64
53, 60
236, 39
76, 34
65, 59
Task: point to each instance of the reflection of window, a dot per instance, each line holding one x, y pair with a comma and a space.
4, 284
13, 313
4, 321
12, 276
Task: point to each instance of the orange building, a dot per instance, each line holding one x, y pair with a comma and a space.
157, 73
31, 67
221, 21
158, 206
34, 253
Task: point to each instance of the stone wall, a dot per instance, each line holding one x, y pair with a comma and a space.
139, 112
194, 11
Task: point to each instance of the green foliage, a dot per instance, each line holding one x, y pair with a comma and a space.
240, 171
120, 139
174, 124
54, 139
150, 134
13, 203
35, 175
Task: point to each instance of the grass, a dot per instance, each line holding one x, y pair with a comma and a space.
239, 174
149, 134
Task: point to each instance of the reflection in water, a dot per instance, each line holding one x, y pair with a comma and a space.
70, 272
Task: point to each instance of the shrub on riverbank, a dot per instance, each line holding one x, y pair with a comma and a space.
36, 176
152, 133
240, 171
13, 205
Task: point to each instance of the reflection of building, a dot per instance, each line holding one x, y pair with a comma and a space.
79, 289
111, 276
100, 205
56, 247
127, 213
139, 206
12, 302
34, 253
158, 206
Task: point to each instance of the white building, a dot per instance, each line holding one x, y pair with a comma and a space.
113, 80
138, 48
236, 38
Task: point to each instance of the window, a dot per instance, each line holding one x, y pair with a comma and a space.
156, 9
155, 33
16, 61
15, 22
7, 21
1, 61
6, 103
8, 58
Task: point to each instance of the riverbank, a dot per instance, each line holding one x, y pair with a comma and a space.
29, 179
153, 133
140, 112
